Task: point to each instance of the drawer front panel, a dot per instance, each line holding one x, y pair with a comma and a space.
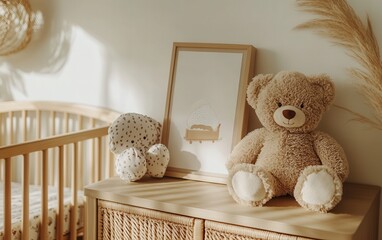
117, 221
221, 231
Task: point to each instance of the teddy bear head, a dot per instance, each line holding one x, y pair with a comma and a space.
133, 130
290, 101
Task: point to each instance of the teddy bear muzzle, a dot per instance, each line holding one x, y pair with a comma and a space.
289, 117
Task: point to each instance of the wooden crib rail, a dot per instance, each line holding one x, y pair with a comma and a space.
7, 153
31, 120
102, 114
50, 142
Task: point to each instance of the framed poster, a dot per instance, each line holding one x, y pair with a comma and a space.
206, 110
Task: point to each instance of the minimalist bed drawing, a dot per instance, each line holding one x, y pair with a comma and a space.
201, 132
203, 125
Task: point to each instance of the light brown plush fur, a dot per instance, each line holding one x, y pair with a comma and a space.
281, 156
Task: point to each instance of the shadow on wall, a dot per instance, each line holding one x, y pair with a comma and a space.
46, 53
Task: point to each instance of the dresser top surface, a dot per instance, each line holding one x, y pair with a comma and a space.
212, 202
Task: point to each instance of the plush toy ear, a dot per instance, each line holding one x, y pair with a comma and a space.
325, 83
255, 86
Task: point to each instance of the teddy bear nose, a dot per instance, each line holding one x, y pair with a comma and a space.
289, 114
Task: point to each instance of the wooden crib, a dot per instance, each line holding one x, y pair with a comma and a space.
56, 146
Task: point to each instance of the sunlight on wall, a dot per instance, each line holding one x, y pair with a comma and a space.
85, 67
88, 76
125, 91
84, 61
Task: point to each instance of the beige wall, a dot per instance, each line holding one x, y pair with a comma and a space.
116, 54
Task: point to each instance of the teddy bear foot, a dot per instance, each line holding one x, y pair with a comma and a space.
318, 189
130, 165
249, 185
157, 158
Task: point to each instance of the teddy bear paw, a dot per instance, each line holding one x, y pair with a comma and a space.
157, 158
249, 185
130, 165
318, 189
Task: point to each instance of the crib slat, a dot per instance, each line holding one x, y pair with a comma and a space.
79, 122
92, 174
66, 150
25, 220
74, 188
37, 173
80, 158
112, 163
108, 166
11, 139
37, 165
7, 199
52, 155
66, 165
44, 196
52, 119
24, 125
99, 158
60, 207
38, 124
66, 122
52, 166
80, 154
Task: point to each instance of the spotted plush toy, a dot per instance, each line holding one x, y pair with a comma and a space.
134, 139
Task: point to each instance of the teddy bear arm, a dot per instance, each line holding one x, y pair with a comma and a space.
331, 154
157, 159
131, 165
247, 150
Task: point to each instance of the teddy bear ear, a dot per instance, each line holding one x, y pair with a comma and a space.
327, 86
255, 86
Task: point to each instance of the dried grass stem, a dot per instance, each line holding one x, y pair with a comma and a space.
338, 21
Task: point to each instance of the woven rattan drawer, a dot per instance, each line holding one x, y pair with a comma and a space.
185, 209
221, 231
117, 221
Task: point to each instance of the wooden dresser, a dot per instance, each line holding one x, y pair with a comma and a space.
172, 208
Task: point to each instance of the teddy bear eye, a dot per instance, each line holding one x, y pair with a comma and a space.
302, 105
279, 104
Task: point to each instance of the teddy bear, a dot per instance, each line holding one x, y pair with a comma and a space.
135, 140
288, 156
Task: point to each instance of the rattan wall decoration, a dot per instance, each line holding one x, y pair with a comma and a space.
16, 25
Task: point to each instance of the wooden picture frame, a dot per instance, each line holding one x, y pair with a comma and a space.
206, 112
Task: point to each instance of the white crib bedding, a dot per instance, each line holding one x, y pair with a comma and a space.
35, 210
